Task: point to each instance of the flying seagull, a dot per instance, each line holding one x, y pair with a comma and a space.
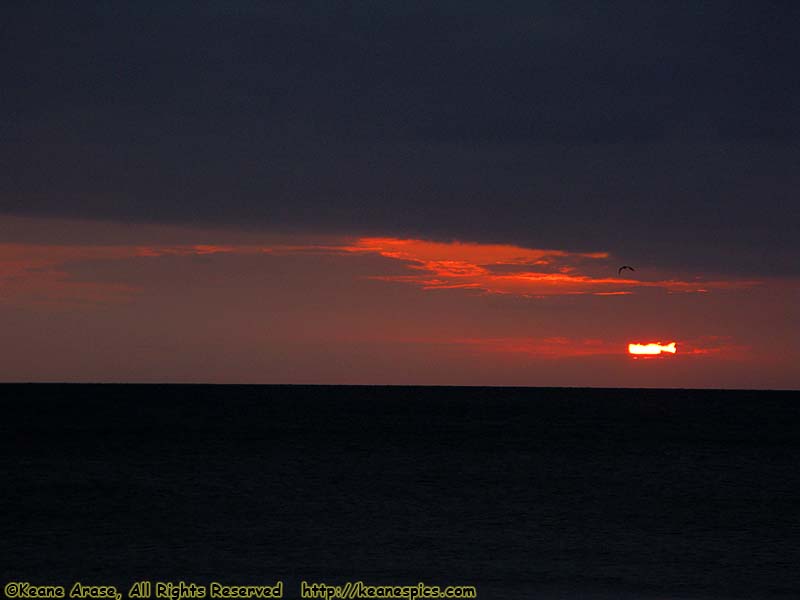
622, 268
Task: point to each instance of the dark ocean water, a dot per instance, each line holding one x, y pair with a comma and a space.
523, 493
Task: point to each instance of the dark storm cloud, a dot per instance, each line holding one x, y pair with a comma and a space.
658, 131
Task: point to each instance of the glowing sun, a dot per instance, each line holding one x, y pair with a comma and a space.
652, 348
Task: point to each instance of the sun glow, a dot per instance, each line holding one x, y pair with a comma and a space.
652, 348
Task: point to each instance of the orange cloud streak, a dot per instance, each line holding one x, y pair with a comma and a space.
425, 252
549, 347
506, 269
38, 272
483, 268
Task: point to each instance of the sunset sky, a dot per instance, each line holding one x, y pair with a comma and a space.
401, 193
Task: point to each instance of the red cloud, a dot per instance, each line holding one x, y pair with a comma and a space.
506, 269
39, 269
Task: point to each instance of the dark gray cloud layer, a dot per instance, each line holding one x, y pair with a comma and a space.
664, 132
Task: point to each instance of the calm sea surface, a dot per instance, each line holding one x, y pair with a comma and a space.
521, 492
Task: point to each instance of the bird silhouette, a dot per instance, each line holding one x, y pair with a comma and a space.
623, 267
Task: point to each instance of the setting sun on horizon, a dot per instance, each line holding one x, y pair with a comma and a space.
652, 348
